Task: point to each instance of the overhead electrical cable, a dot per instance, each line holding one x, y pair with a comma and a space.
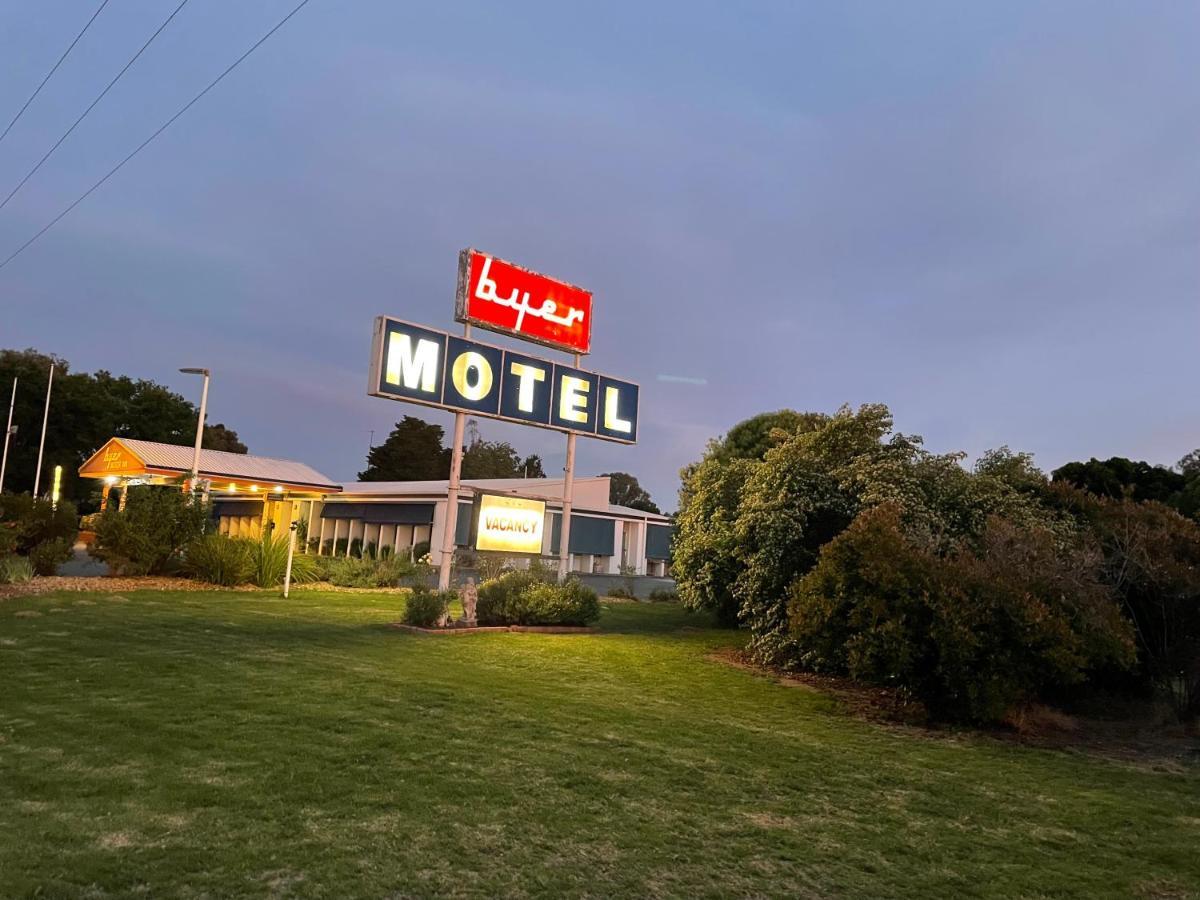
66, 52
167, 124
92, 105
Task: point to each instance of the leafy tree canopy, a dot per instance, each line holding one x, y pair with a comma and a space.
624, 490
414, 452
85, 411
1117, 477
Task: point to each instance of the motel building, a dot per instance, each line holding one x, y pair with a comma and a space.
248, 492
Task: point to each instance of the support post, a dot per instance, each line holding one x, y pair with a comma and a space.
287, 575
7, 434
451, 524
564, 533
37, 475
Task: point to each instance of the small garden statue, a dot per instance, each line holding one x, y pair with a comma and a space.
470, 596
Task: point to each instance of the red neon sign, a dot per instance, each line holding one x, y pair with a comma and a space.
503, 297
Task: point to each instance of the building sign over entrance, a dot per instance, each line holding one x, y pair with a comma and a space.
504, 297
421, 365
510, 524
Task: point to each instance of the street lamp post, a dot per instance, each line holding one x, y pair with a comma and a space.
199, 423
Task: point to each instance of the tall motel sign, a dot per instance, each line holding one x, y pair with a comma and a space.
416, 364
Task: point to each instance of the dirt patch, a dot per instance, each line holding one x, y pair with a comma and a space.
864, 701
1144, 743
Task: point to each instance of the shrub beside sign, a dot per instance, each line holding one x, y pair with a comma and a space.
423, 365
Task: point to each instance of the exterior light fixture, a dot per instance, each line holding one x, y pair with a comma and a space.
232, 488
254, 488
279, 488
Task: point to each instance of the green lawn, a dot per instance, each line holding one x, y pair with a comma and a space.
225, 745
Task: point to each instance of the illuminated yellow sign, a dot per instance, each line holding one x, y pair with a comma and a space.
510, 524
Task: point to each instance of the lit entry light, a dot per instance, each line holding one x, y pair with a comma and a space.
279, 488
232, 488
254, 488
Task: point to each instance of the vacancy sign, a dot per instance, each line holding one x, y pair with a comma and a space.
422, 365
504, 297
510, 524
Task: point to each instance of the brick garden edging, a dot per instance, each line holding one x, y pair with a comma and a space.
485, 629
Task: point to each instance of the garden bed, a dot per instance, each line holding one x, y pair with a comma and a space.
486, 629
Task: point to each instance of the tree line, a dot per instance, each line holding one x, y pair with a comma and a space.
845, 547
416, 450
85, 411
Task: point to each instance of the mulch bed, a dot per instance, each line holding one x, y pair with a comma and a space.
492, 629
46, 584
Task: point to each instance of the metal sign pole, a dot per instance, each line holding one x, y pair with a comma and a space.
564, 533
451, 528
37, 476
7, 434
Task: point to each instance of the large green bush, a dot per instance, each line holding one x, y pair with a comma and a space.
971, 633
38, 530
569, 603
148, 537
425, 607
522, 598
501, 599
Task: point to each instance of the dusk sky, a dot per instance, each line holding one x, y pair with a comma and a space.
985, 216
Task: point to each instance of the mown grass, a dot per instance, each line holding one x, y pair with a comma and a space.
241, 745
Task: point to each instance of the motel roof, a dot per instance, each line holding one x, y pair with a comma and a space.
135, 457
591, 493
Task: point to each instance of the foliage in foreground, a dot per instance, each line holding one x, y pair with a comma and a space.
758, 514
524, 598
148, 537
969, 634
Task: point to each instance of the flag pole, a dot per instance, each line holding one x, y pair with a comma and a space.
7, 434
37, 475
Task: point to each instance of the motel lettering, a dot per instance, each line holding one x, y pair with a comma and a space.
426, 366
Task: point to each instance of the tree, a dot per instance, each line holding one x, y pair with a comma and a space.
531, 467
412, 452
85, 411
491, 459
624, 490
752, 438
1116, 477
1190, 464
218, 437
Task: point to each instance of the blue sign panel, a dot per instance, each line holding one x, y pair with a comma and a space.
412, 362
525, 388
421, 365
573, 402
472, 378
618, 410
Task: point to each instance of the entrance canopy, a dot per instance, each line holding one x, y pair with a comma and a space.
128, 461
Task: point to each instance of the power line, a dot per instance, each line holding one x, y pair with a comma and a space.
38, 90
92, 106
212, 84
